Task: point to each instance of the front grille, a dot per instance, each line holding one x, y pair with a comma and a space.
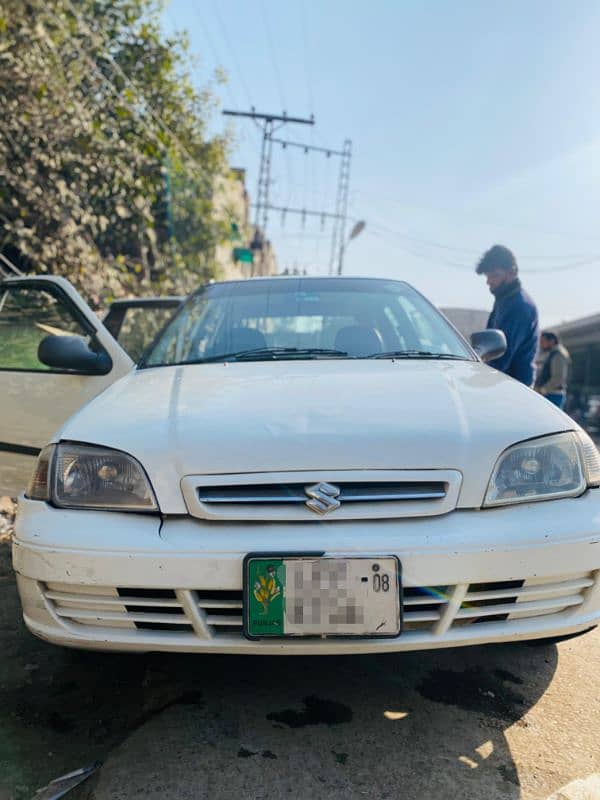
212, 613
375, 494
349, 493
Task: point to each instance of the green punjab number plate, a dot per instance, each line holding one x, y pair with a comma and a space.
292, 595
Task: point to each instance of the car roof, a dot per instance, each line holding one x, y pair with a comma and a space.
337, 278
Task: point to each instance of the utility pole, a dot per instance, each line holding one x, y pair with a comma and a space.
338, 238
269, 126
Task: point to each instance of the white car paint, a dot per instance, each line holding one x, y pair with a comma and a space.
314, 415
35, 404
307, 421
82, 556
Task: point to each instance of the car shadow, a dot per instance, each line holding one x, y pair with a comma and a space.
419, 724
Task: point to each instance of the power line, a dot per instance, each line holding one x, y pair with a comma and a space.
272, 53
303, 235
232, 50
566, 267
216, 57
432, 259
130, 84
452, 213
308, 148
305, 212
283, 118
307, 61
473, 251
406, 248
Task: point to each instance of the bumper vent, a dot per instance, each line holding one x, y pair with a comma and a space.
440, 608
154, 609
203, 613
429, 611
221, 610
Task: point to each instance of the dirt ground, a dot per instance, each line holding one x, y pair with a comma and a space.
510, 721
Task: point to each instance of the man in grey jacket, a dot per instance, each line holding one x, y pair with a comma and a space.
552, 378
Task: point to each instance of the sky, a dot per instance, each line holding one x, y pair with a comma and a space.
472, 123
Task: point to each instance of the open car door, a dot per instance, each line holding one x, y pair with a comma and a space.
135, 323
36, 398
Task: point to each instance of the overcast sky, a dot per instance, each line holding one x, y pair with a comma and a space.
471, 122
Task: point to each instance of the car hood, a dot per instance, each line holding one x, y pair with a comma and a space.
317, 416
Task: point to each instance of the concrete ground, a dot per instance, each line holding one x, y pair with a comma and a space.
510, 721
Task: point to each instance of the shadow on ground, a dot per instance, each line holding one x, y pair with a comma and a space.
420, 724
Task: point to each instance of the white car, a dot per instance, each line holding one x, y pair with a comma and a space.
297, 465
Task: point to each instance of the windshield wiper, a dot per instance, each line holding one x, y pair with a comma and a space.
270, 352
416, 354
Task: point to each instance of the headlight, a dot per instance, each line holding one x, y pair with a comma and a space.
39, 485
591, 458
541, 469
84, 476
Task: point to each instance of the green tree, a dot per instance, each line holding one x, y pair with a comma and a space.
107, 173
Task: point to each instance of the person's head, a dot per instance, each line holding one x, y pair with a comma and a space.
499, 266
548, 340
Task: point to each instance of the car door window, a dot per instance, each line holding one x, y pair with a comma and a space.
139, 328
28, 315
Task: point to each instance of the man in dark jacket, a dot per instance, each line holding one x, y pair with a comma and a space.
514, 312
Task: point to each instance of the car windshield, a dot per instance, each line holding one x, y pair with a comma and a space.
305, 318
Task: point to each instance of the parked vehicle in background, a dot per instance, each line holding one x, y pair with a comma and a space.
296, 466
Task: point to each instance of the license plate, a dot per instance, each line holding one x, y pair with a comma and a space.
303, 595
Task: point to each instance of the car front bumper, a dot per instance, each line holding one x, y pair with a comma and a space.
112, 581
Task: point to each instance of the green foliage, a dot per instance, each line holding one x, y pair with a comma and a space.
107, 173
140, 327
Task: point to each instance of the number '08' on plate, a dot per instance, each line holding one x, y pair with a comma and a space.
291, 595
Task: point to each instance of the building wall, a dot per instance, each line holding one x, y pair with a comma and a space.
232, 203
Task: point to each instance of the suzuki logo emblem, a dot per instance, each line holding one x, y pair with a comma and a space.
322, 498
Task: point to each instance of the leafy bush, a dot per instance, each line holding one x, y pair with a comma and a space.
107, 173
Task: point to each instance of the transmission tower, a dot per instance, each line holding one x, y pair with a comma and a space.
339, 216
338, 236
261, 211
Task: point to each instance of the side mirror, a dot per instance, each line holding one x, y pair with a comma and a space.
73, 353
489, 344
